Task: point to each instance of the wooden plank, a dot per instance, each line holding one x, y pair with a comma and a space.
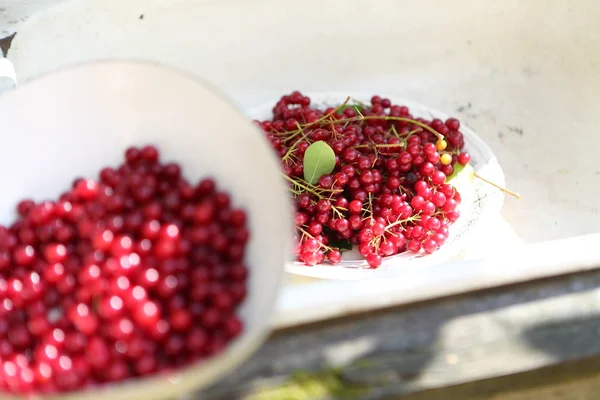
428, 346
578, 380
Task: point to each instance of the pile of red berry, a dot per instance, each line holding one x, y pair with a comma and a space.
134, 273
376, 179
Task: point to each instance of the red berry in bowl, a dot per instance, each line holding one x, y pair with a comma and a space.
388, 172
133, 272
464, 158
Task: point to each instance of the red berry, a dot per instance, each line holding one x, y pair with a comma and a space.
438, 178
378, 229
388, 248
438, 199
450, 205
374, 260
132, 154
204, 212
111, 307
429, 246
311, 245
84, 281
24, 255
122, 245
417, 202
149, 153
149, 278
453, 124
233, 326
25, 206
366, 235
428, 208
453, 215
181, 320
55, 253
103, 239
355, 207
414, 246
75, 342
342, 225
83, 319
86, 189
147, 314
463, 158
334, 256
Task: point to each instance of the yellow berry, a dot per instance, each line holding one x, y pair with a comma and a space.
441, 144
446, 159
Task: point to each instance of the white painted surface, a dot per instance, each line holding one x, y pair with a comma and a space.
54, 131
327, 299
14, 12
525, 75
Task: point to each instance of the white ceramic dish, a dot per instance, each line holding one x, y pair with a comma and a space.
73, 122
480, 201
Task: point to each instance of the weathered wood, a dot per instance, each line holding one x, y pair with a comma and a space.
578, 380
413, 349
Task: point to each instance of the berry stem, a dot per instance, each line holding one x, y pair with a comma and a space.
403, 221
325, 118
337, 211
307, 188
293, 146
321, 245
373, 145
390, 118
510, 192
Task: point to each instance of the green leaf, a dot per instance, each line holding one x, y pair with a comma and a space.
319, 160
335, 241
457, 169
356, 108
461, 177
341, 244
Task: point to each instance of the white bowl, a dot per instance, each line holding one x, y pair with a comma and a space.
479, 201
73, 122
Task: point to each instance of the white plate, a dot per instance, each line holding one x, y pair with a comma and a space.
484, 201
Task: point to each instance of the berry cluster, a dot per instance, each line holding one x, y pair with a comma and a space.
386, 191
134, 273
